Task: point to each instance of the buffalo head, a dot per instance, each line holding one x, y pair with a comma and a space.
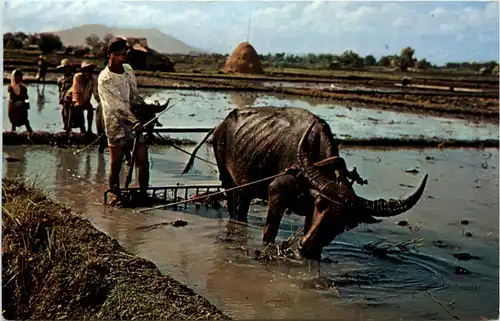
337, 208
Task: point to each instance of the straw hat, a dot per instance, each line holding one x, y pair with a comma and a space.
64, 63
87, 65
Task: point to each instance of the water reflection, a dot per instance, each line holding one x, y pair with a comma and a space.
15, 163
147, 93
40, 97
227, 275
120, 225
269, 292
240, 100
73, 179
207, 109
100, 173
67, 165
87, 168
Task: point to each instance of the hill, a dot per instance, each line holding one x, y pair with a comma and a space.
156, 39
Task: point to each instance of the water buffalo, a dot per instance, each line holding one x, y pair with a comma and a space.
258, 142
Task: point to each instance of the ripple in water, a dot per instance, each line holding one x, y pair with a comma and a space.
361, 276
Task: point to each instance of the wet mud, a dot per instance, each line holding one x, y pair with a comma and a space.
215, 256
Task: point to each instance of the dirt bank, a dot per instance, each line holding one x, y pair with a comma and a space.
74, 140
57, 265
80, 140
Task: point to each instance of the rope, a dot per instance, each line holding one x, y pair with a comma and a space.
287, 171
184, 151
88, 146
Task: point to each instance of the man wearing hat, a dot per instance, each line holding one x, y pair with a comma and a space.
118, 91
65, 83
84, 85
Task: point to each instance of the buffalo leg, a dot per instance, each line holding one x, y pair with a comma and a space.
243, 207
280, 192
308, 223
227, 184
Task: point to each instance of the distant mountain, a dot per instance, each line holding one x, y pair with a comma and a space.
157, 40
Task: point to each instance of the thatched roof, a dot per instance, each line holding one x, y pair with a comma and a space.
244, 59
135, 41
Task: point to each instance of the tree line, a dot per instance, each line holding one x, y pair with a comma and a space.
349, 59
49, 42
46, 42
405, 60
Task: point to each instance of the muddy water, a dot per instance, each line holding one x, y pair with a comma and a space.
353, 88
336, 86
213, 256
208, 108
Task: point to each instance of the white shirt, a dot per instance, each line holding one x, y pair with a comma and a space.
117, 93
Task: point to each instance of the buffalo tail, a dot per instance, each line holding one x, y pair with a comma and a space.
193, 154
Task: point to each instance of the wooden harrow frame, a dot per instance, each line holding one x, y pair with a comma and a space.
171, 193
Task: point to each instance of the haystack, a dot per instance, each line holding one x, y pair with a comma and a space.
244, 59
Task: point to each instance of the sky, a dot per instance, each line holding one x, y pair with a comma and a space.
438, 31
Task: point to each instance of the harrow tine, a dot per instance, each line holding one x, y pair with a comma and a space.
172, 190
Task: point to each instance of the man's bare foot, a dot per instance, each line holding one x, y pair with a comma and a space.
116, 201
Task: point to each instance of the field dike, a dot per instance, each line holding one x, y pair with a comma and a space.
56, 265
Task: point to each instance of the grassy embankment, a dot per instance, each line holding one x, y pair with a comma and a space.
56, 265
79, 140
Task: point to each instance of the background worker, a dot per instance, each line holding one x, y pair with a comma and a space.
65, 82
18, 104
84, 86
42, 69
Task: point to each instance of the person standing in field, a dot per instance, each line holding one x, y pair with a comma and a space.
84, 86
18, 104
65, 83
42, 69
118, 91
